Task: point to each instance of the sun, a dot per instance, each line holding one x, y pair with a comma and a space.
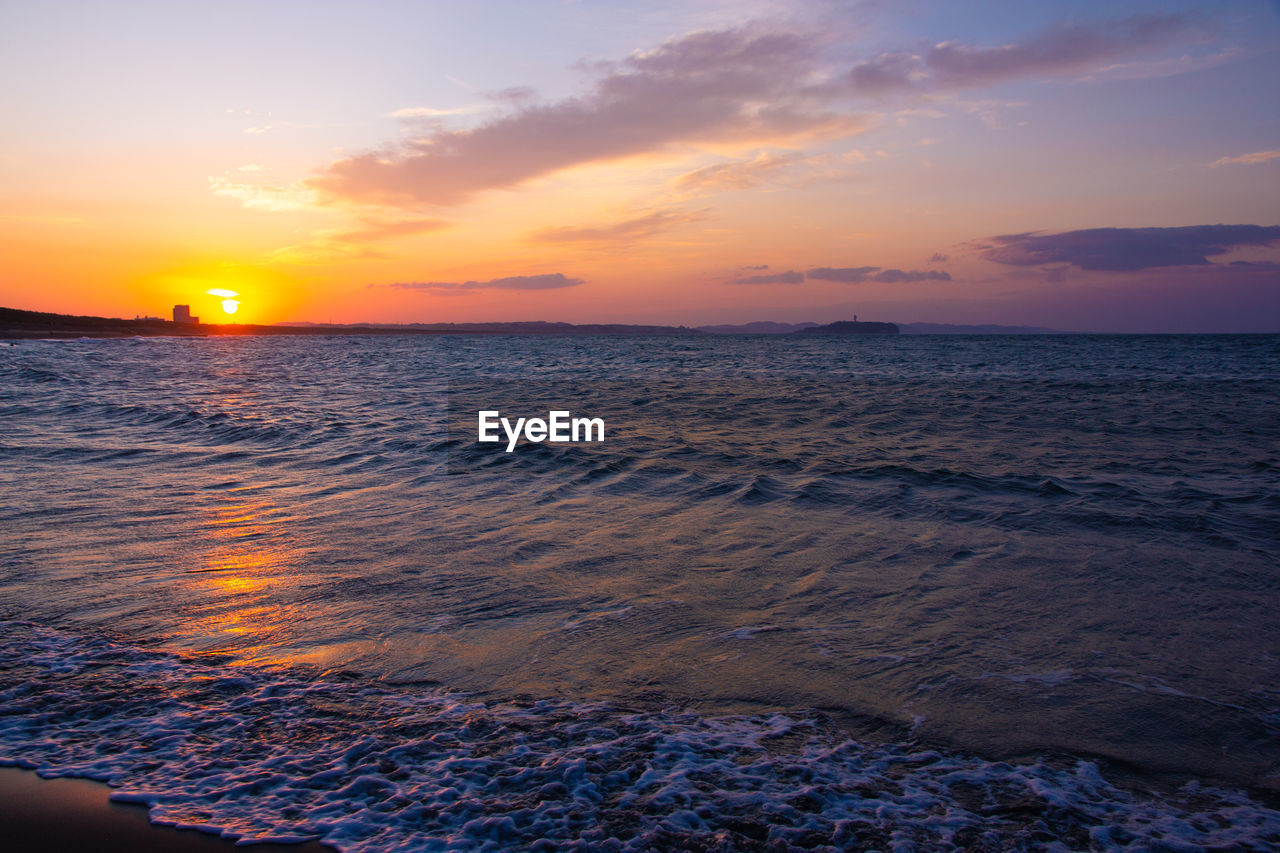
230, 304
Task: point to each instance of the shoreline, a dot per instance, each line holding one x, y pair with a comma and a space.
71, 813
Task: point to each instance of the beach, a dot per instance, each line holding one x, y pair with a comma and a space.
74, 814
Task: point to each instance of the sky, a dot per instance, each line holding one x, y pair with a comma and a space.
1094, 166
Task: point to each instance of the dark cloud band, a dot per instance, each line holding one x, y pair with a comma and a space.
1128, 249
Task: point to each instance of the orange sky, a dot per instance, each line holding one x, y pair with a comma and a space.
690, 165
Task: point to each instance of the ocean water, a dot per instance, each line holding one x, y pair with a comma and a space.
912, 593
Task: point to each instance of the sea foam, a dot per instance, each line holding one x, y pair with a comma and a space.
274, 754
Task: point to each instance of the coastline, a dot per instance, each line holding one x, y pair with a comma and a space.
41, 814
18, 324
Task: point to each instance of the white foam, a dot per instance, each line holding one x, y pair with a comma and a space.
260, 755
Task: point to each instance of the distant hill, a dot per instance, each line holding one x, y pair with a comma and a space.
988, 329
16, 323
761, 327
850, 327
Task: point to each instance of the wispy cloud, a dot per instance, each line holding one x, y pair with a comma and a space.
1062, 49
1246, 159
1127, 249
788, 277
358, 242
845, 275
1258, 266
740, 87
735, 175
855, 275
628, 230
278, 125
743, 85
263, 195
546, 281
432, 112
911, 276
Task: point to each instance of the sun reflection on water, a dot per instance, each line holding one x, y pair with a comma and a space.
249, 557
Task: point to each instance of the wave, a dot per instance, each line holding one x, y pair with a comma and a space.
275, 754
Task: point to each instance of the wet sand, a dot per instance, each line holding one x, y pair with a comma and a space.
55, 815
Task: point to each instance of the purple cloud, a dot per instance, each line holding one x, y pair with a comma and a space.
1063, 49
547, 281
1127, 249
1259, 266
737, 85
854, 275
901, 276
847, 275
739, 175
788, 277
637, 228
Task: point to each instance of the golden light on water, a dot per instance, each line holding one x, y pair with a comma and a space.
248, 554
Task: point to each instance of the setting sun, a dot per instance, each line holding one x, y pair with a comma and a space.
230, 304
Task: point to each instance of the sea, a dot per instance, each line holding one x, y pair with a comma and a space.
894, 593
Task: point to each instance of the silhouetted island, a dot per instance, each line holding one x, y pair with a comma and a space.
850, 327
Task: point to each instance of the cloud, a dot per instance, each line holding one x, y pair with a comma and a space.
546, 281
514, 95
1127, 249
788, 277
910, 276
848, 275
355, 242
791, 169
280, 125
743, 85
736, 175
1246, 159
372, 232
1256, 266
855, 275
1062, 49
431, 112
627, 230
263, 195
